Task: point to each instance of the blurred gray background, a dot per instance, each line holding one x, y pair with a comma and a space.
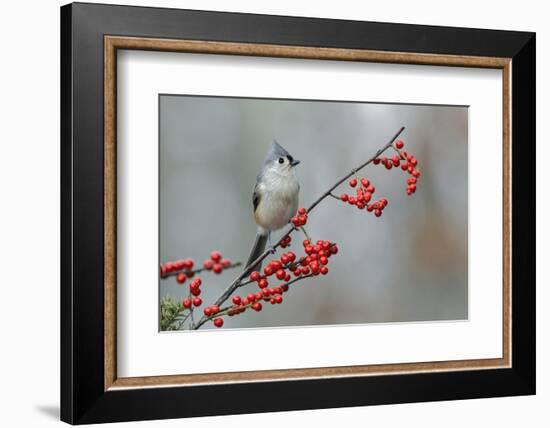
411, 264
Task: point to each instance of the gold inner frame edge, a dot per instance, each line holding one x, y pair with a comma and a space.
113, 43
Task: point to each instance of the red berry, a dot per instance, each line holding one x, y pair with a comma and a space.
255, 276
236, 300
268, 270
195, 291
305, 243
207, 311
215, 309
377, 213
291, 256
226, 263
344, 197
399, 144
186, 303
218, 322
295, 221
276, 265
257, 306
208, 264
251, 297
413, 161
323, 260
376, 161
404, 166
262, 283
371, 189
395, 159
278, 298
365, 182
334, 249
216, 256
302, 211
217, 268
197, 301
258, 295
324, 270
416, 173
280, 274
181, 278
302, 219
353, 182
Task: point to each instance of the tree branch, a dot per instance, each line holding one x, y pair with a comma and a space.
248, 269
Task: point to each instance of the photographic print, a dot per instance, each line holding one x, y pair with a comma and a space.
283, 212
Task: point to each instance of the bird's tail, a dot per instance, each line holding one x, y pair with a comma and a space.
257, 250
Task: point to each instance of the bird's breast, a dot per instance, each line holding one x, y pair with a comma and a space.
278, 203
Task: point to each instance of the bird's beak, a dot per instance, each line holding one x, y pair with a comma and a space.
294, 162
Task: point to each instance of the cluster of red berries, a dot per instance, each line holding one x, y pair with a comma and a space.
301, 218
194, 290
179, 265
406, 161
312, 264
183, 269
285, 242
363, 196
216, 263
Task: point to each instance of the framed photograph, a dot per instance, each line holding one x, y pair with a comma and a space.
291, 213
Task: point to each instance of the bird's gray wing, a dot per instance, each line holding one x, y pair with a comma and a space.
255, 198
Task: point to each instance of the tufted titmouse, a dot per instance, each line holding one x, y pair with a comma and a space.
275, 197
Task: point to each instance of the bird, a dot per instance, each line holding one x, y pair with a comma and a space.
275, 198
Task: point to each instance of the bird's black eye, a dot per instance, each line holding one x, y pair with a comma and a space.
281, 160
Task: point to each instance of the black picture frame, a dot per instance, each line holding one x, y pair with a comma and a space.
83, 398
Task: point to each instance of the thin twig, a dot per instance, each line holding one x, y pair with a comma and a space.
246, 271
195, 271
